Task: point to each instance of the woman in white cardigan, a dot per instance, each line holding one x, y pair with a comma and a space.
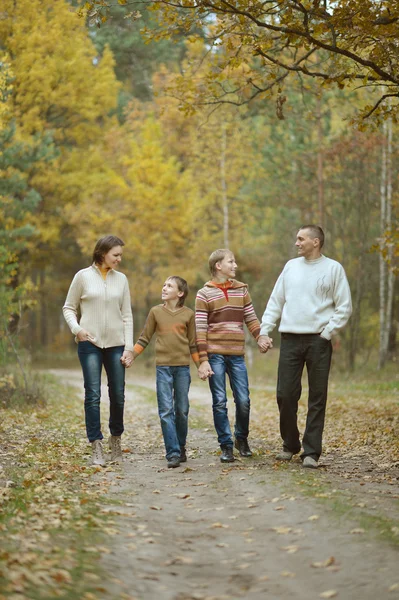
104, 334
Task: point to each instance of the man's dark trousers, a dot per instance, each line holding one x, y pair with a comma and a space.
296, 351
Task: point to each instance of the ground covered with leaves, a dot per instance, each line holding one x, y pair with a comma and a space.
205, 531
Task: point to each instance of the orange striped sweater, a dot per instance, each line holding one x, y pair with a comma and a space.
220, 315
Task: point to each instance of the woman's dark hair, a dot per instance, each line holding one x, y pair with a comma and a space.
104, 245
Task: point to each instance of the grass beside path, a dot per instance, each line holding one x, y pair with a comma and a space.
50, 509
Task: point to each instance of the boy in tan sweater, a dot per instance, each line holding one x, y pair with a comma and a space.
174, 326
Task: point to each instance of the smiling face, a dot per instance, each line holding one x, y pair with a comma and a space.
226, 267
308, 246
170, 291
112, 259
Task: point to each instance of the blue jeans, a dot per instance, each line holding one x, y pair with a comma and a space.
236, 369
92, 360
173, 384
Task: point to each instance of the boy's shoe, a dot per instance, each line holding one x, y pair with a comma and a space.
98, 457
183, 455
227, 454
114, 444
173, 462
284, 455
310, 463
242, 447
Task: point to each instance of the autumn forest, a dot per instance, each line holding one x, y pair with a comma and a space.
181, 133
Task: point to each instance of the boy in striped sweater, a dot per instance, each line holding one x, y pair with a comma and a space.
222, 307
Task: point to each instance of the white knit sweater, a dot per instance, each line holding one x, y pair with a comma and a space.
310, 296
105, 307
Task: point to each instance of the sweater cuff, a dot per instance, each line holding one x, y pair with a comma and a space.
325, 334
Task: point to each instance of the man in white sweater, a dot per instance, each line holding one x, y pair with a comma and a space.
312, 298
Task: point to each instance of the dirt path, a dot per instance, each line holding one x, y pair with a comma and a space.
207, 532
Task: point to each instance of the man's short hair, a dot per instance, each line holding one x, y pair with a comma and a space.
315, 232
182, 286
216, 257
104, 245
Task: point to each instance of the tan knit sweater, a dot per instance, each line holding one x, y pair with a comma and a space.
175, 331
105, 307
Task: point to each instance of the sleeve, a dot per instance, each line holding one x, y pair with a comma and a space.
191, 334
146, 334
274, 307
343, 305
201, 325
72, 303
127, 317
250, 318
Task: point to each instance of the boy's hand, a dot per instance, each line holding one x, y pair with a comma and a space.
205, 371
264, 343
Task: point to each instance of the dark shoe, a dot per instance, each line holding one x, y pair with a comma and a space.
183, 455
173, 462
227, 454
242, 447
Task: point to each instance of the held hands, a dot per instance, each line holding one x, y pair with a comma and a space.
127, 358
264, 343
205, 370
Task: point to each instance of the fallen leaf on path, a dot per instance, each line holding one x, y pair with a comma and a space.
182, 496
222, 545
314, 518
244, 566
282, 530
219, 526
394, 587
279, 508
290, 549
287, 574
263, 578
156, 491
328, 594
326, 563
155, 508
357, 530
179, 560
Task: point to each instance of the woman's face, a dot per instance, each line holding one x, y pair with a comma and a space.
112, 259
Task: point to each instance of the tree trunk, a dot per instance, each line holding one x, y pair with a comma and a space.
225, 202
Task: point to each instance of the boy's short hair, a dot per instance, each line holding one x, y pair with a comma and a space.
315, 231
182, 286
104, 245
216, 257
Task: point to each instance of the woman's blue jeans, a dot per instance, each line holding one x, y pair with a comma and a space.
92, 360
173, 384
236, 369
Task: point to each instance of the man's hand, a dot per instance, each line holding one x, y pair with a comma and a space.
205, 371
127, 358
264, 343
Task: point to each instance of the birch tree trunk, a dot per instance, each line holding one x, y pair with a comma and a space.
223, 183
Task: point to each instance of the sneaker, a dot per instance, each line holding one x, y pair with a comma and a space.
227, 454
284, 455
173, 462
98, 457
310, 463
114, 444
242, 447
183, 455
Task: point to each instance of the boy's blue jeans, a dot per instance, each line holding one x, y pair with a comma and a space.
92, 360
236, 369
173, 384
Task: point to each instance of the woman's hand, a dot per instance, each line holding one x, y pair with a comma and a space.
127, 358
84, 336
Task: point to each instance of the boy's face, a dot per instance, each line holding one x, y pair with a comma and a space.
170, 290
227, 267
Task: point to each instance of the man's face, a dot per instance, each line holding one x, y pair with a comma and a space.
227, 266
306, 245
